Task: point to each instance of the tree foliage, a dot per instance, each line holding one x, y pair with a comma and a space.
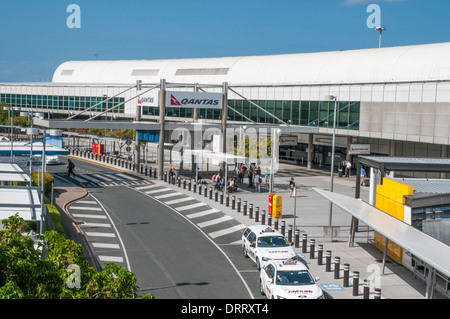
55, 268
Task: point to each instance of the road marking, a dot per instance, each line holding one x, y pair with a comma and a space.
86, 202
158, 191
85, 208
226, 231
104, 245
190, 206
178, 200
89, 216
215, 221
203, 213
92, 179
126, 176
96, 225
111, 259
168, 195
145, 187
103, 177
94, 234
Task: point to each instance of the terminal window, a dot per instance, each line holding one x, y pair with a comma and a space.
52, 102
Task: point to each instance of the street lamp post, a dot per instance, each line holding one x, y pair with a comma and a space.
380, 29
331, 98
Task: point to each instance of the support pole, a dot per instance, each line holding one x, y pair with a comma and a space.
162, 113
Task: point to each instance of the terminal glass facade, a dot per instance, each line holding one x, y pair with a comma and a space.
307, 113
58, 102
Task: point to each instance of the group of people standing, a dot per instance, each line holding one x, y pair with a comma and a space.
254, 176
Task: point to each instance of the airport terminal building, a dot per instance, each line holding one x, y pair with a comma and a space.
390, 101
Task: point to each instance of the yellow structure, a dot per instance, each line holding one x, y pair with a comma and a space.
277, 203
390, 199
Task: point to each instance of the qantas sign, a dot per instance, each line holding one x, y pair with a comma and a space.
199, 100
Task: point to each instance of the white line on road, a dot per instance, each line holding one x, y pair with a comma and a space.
96, 234
111, 259
86, 202
158, 191
190, 206
215, 221
203, 213
85, 208
147, 186
89, 216
104, 245
226, 231
175, 201
168, 195
96, 225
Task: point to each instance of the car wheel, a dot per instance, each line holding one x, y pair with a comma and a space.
261, 290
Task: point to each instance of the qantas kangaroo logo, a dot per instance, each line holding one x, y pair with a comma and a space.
173, 100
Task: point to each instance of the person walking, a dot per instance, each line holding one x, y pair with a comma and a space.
292, 187
257, 182
70, 168
250, 177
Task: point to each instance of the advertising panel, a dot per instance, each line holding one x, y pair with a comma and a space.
198, 100
150, 98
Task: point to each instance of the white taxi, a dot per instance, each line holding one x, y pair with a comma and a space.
288, 279
262, 244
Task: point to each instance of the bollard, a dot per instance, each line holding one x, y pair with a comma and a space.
179, 181
304, 240
263, 217
165, 177
199, 189
205, 193
221, 198
245, 208
190, 185
276, 223
290, 234
337, 266
297, 238
184, 183
227, 200
377, 293
239, 205
328, 260
320, 254
269, 220
312, 244
355, 283
346, 275
210, 192
283, 227
233, 202
195, 187
250, 211
216, 195
366, 289
257, 214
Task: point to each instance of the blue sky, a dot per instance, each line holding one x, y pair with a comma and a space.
35, 38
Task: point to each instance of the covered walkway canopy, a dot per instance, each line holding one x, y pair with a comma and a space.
433, 252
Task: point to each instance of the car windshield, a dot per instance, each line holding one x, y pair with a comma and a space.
294, 278
272, 241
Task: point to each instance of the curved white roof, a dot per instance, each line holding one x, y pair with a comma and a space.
428, 62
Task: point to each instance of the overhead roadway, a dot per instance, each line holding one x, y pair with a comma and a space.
169, 126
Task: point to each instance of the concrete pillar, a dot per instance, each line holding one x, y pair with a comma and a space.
310, 149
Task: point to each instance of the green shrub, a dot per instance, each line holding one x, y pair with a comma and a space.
48, 180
